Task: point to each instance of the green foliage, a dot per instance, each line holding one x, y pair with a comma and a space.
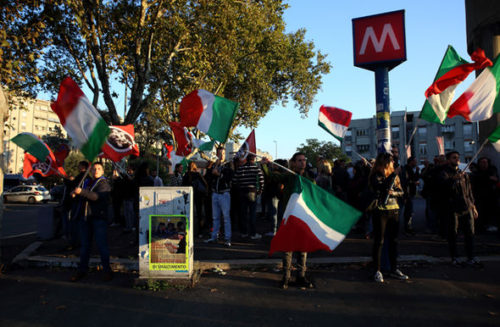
71, 163
162, 50
315, 149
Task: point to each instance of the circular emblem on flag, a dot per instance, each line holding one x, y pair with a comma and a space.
119, 140
43, 167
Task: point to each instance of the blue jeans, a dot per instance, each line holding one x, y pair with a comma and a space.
272, 212
99, 228
248, 203
221, 204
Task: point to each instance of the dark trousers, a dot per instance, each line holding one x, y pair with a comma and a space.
465, 221
385, 226
97, 228
248, 205
287, 264
408, 213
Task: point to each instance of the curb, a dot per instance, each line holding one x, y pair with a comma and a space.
128, 265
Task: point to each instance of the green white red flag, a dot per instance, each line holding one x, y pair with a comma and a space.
477, 103
209, 113
494, 138
452, 71
32, 144
335, 121
80, 119
314, 220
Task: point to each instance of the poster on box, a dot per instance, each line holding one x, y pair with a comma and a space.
165, 233
168, 239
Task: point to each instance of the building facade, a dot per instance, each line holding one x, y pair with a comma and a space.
458, 134
27, 115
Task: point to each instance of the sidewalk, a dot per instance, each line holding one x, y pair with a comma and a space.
245, 252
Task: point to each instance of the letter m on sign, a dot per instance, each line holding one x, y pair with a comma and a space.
379, 40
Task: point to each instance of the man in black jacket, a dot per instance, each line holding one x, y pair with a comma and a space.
461, 209
94, 197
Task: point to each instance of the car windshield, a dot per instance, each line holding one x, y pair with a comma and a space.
41, 188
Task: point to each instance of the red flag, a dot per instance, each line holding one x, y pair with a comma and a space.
32, 165
247, 146
61, 153
120, 143
183, 139
440, 144
169, 149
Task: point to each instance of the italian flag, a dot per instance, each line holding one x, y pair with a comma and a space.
494, 138
440, 94
209, 113
80, 119
335, 121
32, 144
477, 102
314, 220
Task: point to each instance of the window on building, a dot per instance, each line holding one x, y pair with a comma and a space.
23, 113
422, 148
449, 145
468, 146
348, 135
363, 148
395, 132
23, 126
448, 128
422, 131
361, 132
467, 130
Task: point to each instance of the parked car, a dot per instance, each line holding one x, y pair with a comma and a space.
27, 193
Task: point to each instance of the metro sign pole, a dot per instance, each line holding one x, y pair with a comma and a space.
379, 46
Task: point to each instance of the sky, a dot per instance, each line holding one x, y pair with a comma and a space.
430, 27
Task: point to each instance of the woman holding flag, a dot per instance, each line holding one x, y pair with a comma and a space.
384, 181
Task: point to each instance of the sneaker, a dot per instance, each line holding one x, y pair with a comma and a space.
304, 282
79, 275
107, 276
284, 283
398, 275
270, 234
379, 278
257, 236
210, 240
227, 244
474, 262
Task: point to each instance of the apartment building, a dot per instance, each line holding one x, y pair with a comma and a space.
26, 115
458, 134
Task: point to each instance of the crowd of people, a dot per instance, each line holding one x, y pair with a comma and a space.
226, 193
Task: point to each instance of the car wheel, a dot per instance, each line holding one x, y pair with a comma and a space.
31, 200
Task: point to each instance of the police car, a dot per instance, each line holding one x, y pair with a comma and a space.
27, 193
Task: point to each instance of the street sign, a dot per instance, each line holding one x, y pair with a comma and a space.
379, 40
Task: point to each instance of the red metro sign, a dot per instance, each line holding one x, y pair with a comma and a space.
379, 40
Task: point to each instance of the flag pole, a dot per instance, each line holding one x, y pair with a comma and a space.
476, 154
363, 158
85, 176
274, 163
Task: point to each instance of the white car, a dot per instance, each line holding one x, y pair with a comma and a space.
27, 193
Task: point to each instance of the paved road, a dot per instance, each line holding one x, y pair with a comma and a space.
23, 219
436, 295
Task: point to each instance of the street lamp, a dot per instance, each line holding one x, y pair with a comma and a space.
276, 148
